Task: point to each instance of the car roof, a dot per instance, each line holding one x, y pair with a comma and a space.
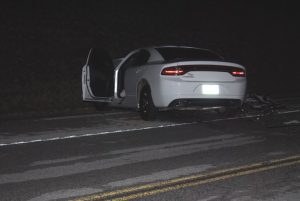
176, 46
173, 46
156, 56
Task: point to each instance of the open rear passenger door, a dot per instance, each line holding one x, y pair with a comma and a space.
98, 77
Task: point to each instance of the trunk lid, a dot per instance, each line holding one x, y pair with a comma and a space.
208, 71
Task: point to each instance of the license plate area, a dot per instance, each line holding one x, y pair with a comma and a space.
210, 89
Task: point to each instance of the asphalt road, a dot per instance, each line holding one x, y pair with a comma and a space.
195, 156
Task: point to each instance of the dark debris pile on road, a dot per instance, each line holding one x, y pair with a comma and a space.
263, 104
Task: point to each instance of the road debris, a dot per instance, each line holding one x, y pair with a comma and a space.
263, 104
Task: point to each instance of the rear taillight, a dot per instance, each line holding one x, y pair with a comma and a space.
176, 70
239, 73
173, 71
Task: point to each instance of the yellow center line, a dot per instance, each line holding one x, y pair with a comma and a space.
213, 176
206, 181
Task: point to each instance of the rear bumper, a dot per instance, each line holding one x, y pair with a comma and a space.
171, 92
205, 103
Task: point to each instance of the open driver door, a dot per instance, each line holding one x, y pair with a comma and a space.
98, 77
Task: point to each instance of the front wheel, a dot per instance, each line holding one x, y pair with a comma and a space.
147, 109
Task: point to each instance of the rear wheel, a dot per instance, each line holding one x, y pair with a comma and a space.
147, 109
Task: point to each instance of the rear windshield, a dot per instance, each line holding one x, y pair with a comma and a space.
177, 53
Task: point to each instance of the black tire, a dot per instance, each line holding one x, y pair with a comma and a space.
147, 109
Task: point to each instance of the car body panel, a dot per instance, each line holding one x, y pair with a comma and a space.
164, 88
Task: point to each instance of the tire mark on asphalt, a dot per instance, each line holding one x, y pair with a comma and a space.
151, 189
120, 160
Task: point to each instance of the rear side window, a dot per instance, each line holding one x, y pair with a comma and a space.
141, 58
137, 59
181, 54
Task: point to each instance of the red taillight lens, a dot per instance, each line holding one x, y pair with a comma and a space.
173, 71
238, 73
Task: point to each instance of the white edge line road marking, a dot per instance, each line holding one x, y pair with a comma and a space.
250, 116
95, 134
232, 118
287, 99
135, 129
287, 112
83, 115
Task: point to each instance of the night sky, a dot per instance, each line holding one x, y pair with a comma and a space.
44, 44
